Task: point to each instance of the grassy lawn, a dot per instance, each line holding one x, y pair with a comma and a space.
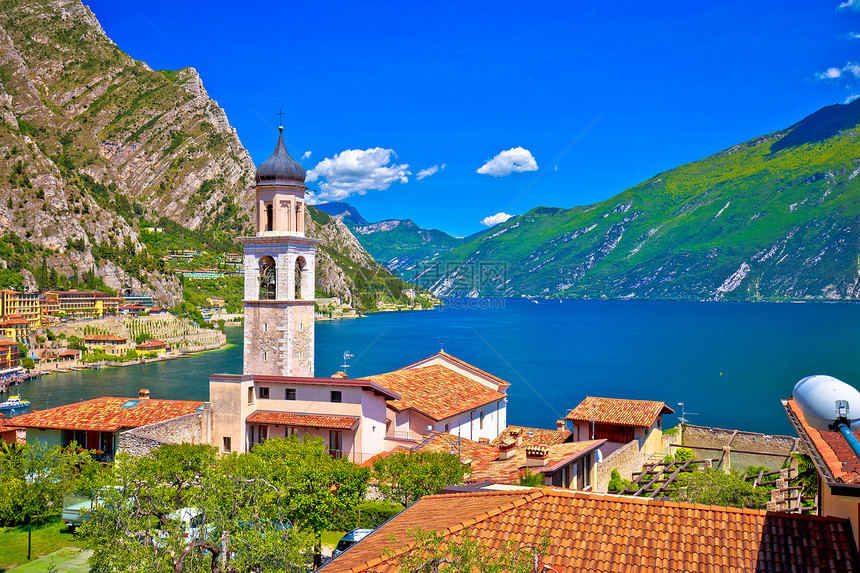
46, 539
329, 538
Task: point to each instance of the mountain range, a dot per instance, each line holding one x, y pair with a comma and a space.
775, 218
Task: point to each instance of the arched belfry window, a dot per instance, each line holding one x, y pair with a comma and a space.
268, 278
269, 217
300, 268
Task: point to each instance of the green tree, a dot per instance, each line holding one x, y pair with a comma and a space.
532, 479
432, 552
319, 487
28, 363
807, 475
404, 477
716, 487
34, 478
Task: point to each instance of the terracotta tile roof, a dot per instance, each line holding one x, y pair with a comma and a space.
602, 532
830, 448
107, 414
8, 343
639, 413
154, 343
14, 321
104, 338
483, 459
436, 391
304, 420
533, 436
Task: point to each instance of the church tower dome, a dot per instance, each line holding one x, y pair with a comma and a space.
280, 169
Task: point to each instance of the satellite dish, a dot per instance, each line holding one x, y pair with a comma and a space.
827, 403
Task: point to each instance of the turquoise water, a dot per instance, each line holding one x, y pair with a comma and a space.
728, 362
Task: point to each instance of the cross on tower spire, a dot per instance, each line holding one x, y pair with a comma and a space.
280, 118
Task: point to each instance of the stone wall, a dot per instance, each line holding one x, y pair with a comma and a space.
625, 459
737, 449
141, 441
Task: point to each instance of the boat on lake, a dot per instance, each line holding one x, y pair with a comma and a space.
14, 403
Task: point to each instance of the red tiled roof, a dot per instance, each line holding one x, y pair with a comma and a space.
104, 338
602, 532
483, 459
304, 420
13, 321
445, 356
533, 436
436, 391
151, 344
639, 413
8, 343
831, 447
106, 414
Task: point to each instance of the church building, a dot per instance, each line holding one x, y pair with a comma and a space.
278, 395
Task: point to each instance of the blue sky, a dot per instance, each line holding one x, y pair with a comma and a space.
553, 104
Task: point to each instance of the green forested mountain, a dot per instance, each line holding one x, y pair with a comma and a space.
399, 244
773, 218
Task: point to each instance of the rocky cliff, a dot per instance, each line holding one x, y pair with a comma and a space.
96, 146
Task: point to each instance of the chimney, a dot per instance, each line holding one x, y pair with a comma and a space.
483, 440
560, 425
537, 456
143, 394
507, 449
517, 433
339, 375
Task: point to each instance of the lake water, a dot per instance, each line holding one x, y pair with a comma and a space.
728, 362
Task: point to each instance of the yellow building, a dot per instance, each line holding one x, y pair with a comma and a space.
79, 304
153, 345
107, 343
15, 328
25, 305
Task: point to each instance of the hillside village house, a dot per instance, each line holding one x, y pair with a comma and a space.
107, 343
152, 345
79, 304
9, 357
21, 305
620, 422
15, 328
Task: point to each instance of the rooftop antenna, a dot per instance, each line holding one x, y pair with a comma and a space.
826, 405
346, 356
684, 413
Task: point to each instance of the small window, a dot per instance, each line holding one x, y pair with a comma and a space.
447, 428
335, 396
482, 420
265, 356
251, 395
291, 393
228, 447
265, 327
264, 393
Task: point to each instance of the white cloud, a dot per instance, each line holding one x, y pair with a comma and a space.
306, 155
851, 98
510, 161
835, 73
495, 219
429, 171
850, 5
355, 172
852, 35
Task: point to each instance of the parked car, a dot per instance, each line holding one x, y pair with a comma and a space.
350, 539
192, 525
77, 506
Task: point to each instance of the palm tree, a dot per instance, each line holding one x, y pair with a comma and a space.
807, 476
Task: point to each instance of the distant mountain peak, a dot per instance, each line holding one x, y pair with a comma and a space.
344, 212
823, 124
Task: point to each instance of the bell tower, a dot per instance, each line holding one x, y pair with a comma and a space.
279, 273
